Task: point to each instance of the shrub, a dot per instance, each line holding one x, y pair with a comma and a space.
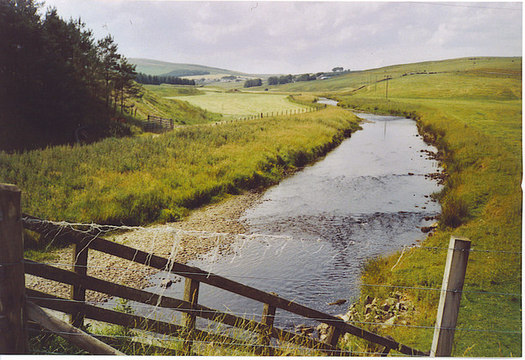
453, 212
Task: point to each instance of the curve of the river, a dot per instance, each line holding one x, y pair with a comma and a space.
368, 197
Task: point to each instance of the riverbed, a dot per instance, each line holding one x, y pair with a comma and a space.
316, 229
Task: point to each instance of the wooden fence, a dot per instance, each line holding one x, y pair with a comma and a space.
296, 111
158, 124
14, 298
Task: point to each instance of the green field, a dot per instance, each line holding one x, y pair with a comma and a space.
239, 104
152, 102
474, 117
479, 66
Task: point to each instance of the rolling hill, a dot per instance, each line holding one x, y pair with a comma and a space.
156, 67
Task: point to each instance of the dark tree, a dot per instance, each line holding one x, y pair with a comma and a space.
54, 77
109, 59
285, 79
252, 83
305, 77
273, 80
163, 79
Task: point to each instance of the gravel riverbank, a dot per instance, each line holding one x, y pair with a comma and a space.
218, 224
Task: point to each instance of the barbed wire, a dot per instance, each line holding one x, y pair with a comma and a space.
470, 250
227, 344
109, 228
437, 289
177, 232
181, 274
298, 317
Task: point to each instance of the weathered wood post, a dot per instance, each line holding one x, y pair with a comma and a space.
78, 292
332, 337
13, 334
191, 294
451, 290
268, 317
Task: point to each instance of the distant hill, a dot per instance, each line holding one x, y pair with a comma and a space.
156, 67
358, 79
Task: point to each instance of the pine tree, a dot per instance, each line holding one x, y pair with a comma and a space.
109, 59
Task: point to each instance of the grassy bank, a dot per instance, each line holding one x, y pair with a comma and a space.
474, 118
158, 178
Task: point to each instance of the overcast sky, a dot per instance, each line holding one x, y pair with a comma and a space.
299, 36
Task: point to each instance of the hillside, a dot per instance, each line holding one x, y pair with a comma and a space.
155, 67
356, 80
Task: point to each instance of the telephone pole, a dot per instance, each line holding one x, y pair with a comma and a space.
387, 78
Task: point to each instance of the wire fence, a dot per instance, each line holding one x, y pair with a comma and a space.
97, 230
173, 341
251, 277
299, 318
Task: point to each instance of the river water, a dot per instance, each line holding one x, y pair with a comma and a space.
368, 197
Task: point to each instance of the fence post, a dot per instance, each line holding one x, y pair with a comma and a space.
78, 292
13, 334
191, 294
451, 290
268, 317
332, 337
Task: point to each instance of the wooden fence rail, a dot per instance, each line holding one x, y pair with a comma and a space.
158, 124
18, 303
189, 305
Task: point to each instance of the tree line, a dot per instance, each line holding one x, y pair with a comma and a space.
252, 83
162, 79
56, 77
286, 79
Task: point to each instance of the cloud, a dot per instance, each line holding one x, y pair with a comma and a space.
296, 37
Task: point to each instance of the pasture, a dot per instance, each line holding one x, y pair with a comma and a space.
239, 104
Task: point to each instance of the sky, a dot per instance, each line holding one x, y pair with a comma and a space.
275, 37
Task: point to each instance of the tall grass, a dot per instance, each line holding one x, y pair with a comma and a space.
157, 178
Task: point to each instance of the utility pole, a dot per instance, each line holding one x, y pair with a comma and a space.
387, 78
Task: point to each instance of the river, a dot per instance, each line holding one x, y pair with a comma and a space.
368, 197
